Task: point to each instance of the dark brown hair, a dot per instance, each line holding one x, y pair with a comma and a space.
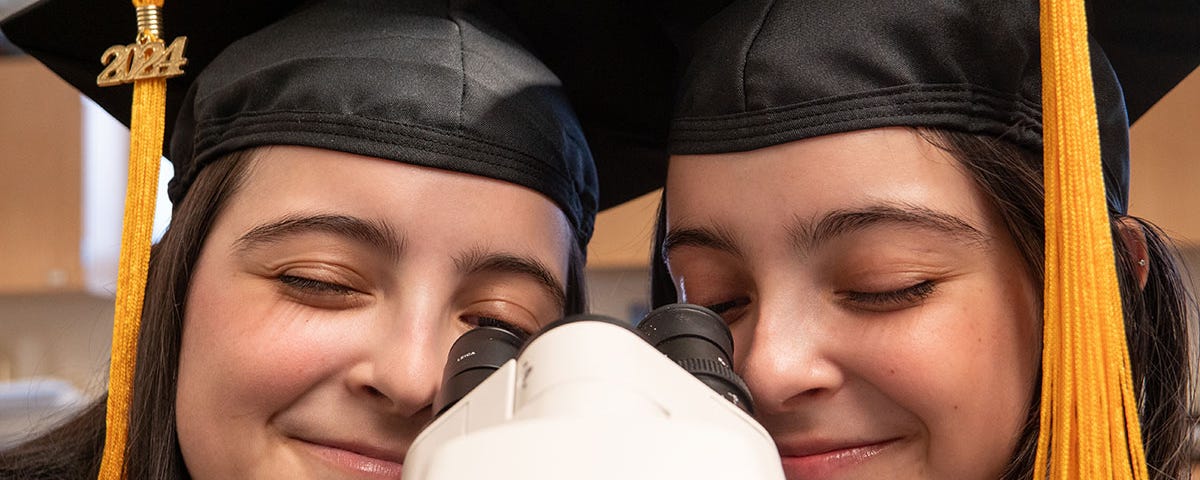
73, 449
1155, 316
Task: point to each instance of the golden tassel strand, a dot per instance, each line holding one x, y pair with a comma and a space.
147, 64
1089, 423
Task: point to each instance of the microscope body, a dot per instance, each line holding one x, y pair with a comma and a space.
591, 400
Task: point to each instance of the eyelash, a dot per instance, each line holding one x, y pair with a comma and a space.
901, 297
721, 308
485, 321
315, 287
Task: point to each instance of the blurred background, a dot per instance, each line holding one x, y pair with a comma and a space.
62, 169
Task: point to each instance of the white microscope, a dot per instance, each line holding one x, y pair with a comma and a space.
588, 397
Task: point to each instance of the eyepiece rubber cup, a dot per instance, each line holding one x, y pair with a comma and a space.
473, 357
698, 341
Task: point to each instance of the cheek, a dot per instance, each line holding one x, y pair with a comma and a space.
245, 356
966, 369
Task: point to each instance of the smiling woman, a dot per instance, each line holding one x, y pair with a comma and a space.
859, 192
893, 318
325, 299
358, 184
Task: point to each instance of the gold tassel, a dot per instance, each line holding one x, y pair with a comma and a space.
147, 64
1089, 422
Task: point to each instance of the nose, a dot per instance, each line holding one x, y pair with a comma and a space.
788, 362
402, 370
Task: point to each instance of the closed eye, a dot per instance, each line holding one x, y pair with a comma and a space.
484, 321
723, 307
893, 299
321, 294
317, 287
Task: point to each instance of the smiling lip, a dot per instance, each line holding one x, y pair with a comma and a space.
366, 461
824, 460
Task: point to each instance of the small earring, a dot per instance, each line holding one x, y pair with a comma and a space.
1142, 262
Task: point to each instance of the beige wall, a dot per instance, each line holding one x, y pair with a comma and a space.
1165, 163
1165, 180
56, 335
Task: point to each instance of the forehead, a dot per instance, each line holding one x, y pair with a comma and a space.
430, 207
808, 178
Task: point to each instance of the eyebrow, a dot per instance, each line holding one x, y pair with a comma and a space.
379, 235
805, 234
716, 238
480, 261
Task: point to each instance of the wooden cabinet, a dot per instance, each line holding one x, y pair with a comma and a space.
624, 234
1165, 163
40, 183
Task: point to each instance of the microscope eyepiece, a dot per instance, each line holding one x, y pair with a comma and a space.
692, 336
698, 341
473, 357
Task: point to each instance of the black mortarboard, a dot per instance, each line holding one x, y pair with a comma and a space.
436, 83
617, 57
618, 63
769, 72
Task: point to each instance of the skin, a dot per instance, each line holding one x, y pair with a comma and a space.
882, 316
326, 299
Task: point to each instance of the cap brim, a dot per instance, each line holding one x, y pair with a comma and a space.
1152, 45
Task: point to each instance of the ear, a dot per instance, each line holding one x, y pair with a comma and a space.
1134, 240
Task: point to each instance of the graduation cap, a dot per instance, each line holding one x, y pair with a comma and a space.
405, 77
619, 61
819, 68
436, 83
768, 72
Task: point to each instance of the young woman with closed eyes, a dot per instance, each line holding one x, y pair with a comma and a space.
358, 184
859, 193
